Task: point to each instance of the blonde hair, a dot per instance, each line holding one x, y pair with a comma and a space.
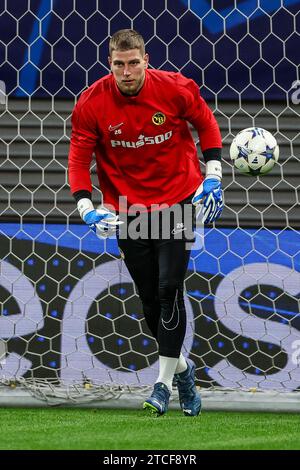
125, 40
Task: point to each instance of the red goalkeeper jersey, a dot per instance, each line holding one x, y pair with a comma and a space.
143, 146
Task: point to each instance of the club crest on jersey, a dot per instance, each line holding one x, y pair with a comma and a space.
158, 118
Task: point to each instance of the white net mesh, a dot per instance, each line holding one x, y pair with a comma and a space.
71, 323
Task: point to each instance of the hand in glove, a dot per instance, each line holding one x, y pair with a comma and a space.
210, 193
103, 222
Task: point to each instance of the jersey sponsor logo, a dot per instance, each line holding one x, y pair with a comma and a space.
158, 118
142, 140
114, 128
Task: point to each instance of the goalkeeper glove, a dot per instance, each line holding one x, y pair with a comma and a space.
210, 194
103, 222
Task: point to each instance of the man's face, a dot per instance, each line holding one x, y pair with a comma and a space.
128, 68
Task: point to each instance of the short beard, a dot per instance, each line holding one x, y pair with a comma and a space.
133, 92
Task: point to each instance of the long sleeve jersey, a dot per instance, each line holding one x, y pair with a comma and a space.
143, 146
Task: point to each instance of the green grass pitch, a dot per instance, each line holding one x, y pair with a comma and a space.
105, 429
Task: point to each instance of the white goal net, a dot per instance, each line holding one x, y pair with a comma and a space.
71, 324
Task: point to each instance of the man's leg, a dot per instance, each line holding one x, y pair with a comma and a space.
142, 264
173, 256
172, 260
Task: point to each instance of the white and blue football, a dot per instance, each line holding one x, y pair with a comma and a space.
254, 151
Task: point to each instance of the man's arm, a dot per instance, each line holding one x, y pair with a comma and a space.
198, 113
83, 142
82, 146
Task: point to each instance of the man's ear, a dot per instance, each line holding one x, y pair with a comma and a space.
109, 61
146, 59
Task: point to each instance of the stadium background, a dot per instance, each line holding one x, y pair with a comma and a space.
245, 59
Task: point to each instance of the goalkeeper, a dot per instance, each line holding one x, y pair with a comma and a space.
135, 120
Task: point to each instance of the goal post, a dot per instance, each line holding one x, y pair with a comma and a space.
72, 330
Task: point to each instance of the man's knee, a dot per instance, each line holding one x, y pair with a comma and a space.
168, 290
151, 309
